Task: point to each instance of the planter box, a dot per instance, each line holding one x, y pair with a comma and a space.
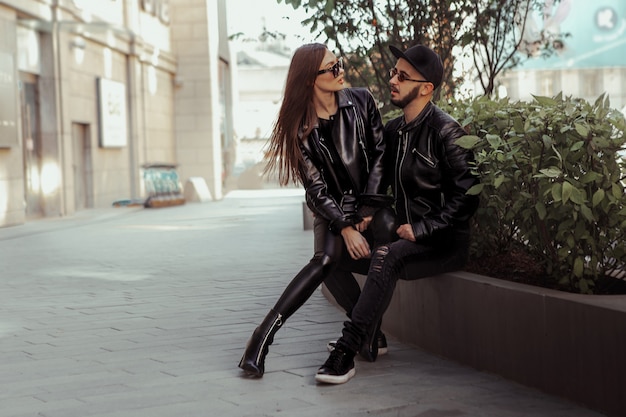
568, 345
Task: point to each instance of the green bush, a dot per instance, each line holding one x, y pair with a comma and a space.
551, 182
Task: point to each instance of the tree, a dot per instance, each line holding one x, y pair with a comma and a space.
504, 34
362, 30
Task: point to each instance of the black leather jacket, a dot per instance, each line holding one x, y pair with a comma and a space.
357, 136
431, 174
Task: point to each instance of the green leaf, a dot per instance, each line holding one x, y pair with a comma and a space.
551, 172
616, 190
556, 191
598, 196
579, 266
330, 5
541, 210
577, 196
584, 287
545, 101
468, 141
566, 192
557, 153
475, 189
587, 213
467, 121
582, 130
547, 140
577, 146
590, 177
494, 140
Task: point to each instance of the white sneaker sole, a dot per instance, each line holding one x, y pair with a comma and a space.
335, 379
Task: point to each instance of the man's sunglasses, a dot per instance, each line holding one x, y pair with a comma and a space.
402, 76
335, 69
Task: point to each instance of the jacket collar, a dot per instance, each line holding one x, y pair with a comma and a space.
344, 98
426, 111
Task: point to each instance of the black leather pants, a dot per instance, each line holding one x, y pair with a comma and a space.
329, 253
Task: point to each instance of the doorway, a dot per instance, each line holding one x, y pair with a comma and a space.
31, 144
82, 166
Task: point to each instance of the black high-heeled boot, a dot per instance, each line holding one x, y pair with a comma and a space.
253, 360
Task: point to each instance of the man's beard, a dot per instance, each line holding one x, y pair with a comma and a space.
402, 102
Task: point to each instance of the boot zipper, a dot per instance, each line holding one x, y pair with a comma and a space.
277, 323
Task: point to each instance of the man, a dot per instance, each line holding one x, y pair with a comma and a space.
431, 176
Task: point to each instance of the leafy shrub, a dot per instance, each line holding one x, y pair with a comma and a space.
551, 182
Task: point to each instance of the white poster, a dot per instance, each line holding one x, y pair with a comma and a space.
112, 109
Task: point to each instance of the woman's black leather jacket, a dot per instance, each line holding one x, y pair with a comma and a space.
431, 173
357, 136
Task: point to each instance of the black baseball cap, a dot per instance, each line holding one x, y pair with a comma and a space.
424, 60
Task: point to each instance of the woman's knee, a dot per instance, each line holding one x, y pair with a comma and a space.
325, 259
384, 225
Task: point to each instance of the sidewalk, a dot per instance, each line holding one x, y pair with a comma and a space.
132, 312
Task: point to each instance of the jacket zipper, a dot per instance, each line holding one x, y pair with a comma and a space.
403, 149
330, 156
323, 145
429, 160
360, 133
367, 162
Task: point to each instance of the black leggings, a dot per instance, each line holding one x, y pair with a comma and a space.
329, 252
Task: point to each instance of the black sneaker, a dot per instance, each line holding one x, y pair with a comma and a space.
381, 340
338, 368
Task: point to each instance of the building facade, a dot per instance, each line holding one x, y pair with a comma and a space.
590, 53
94, 90
259, 75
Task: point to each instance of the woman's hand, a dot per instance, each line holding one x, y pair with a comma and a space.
364, 224
405, 231
355, 242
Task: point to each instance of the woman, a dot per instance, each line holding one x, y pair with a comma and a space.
330, 139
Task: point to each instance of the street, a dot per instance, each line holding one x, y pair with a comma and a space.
128, 312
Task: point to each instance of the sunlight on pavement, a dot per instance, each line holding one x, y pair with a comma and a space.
274, 192
108, 275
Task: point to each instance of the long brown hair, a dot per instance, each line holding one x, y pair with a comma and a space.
296, 114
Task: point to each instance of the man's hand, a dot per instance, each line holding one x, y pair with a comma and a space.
405, 231
355, 242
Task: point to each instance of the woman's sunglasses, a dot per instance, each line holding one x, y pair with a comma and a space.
335, 69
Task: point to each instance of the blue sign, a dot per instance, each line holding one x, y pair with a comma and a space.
597, 35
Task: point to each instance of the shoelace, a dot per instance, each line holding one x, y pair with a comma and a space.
335, 359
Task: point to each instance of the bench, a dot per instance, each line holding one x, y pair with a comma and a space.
568, 345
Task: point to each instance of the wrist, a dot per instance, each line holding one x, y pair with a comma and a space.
346, 230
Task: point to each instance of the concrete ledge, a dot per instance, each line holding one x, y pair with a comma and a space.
568, 345
196, 190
